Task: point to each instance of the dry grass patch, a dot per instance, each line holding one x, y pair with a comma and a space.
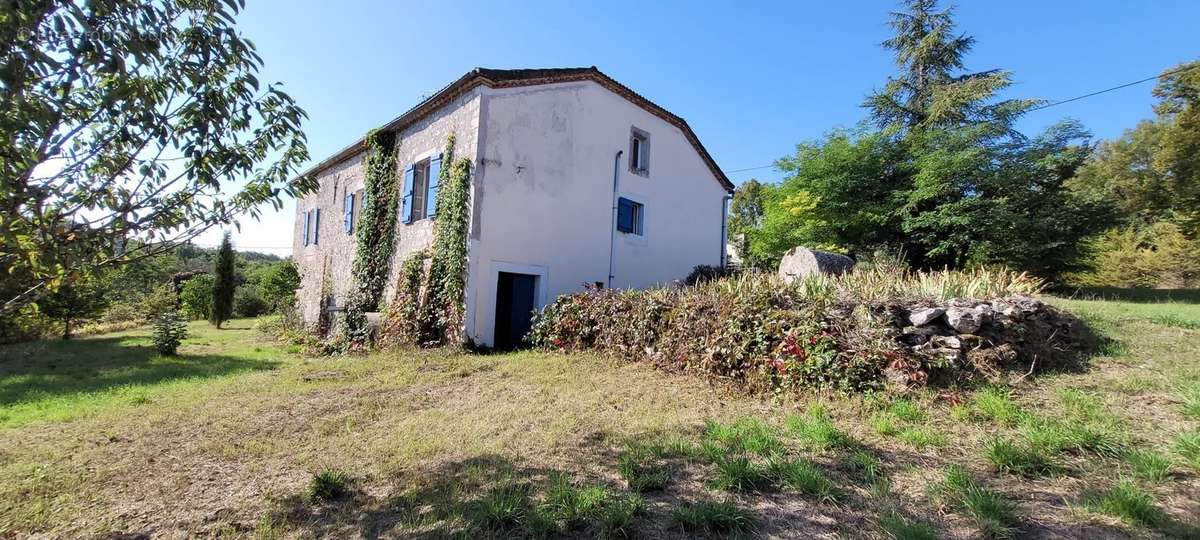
427, 443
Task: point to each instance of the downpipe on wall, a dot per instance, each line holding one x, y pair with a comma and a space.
725, 228
612, 230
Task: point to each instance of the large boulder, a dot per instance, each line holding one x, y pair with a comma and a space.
803, 262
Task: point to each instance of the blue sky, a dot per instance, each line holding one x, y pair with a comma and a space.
752, 79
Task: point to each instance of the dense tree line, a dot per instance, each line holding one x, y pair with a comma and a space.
939, 174
139, 292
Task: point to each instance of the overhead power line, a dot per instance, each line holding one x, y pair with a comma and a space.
749, 169
1048, 105
1118, 87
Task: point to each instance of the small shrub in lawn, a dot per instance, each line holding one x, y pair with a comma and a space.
1187, 445
736, 473
640, 476
995, 404
1128, 502
994, 514
170, 329
619, 517
901, 528
1007, 456
1148, 465
1191, 401
818, 432
502, 508
712, 517
328, 485
801, 475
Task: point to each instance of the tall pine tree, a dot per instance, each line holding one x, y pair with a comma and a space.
944, 176
224, 285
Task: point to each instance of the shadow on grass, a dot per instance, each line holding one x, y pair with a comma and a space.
447, 502
51, 369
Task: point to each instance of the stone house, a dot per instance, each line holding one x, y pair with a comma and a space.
576, 180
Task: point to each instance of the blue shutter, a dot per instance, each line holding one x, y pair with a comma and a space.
435, 169
305, 233
316, 226
406, 206
348, 213
624, 215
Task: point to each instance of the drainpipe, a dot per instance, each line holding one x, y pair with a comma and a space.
724, 226
612, 230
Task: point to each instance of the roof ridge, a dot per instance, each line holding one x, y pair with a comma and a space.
501, 78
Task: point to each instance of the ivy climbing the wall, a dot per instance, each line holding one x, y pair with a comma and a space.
375, 235
441, 317
400, 323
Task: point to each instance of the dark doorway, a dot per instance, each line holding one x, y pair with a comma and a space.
514, 308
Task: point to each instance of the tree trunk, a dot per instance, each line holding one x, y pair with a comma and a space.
67, 329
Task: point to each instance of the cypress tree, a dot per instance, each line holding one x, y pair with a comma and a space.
222, 307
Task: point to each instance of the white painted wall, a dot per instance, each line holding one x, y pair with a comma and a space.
543, 199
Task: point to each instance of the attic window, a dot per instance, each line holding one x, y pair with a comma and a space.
639, 152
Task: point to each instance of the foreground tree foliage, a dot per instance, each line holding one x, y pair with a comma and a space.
941, 174
129, 120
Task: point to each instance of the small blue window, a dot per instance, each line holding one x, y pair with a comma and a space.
630, 216
348, 213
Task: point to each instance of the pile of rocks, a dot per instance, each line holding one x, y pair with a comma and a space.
988, 335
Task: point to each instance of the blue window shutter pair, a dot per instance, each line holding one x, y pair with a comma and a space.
316, 234
435, 170
625, 215
306, 225
406, 206
348, 212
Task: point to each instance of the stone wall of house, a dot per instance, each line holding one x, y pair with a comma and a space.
335, 247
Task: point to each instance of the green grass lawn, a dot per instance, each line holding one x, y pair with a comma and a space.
238, 436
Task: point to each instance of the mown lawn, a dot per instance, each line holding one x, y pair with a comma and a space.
240, 437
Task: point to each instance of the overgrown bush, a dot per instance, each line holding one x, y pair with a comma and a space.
705, 272
839, 332
248, 303
169, 332
196, 297
1155, 256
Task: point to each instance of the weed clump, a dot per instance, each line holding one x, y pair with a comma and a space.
712, 517
959, 491
328, 485
1129, 503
